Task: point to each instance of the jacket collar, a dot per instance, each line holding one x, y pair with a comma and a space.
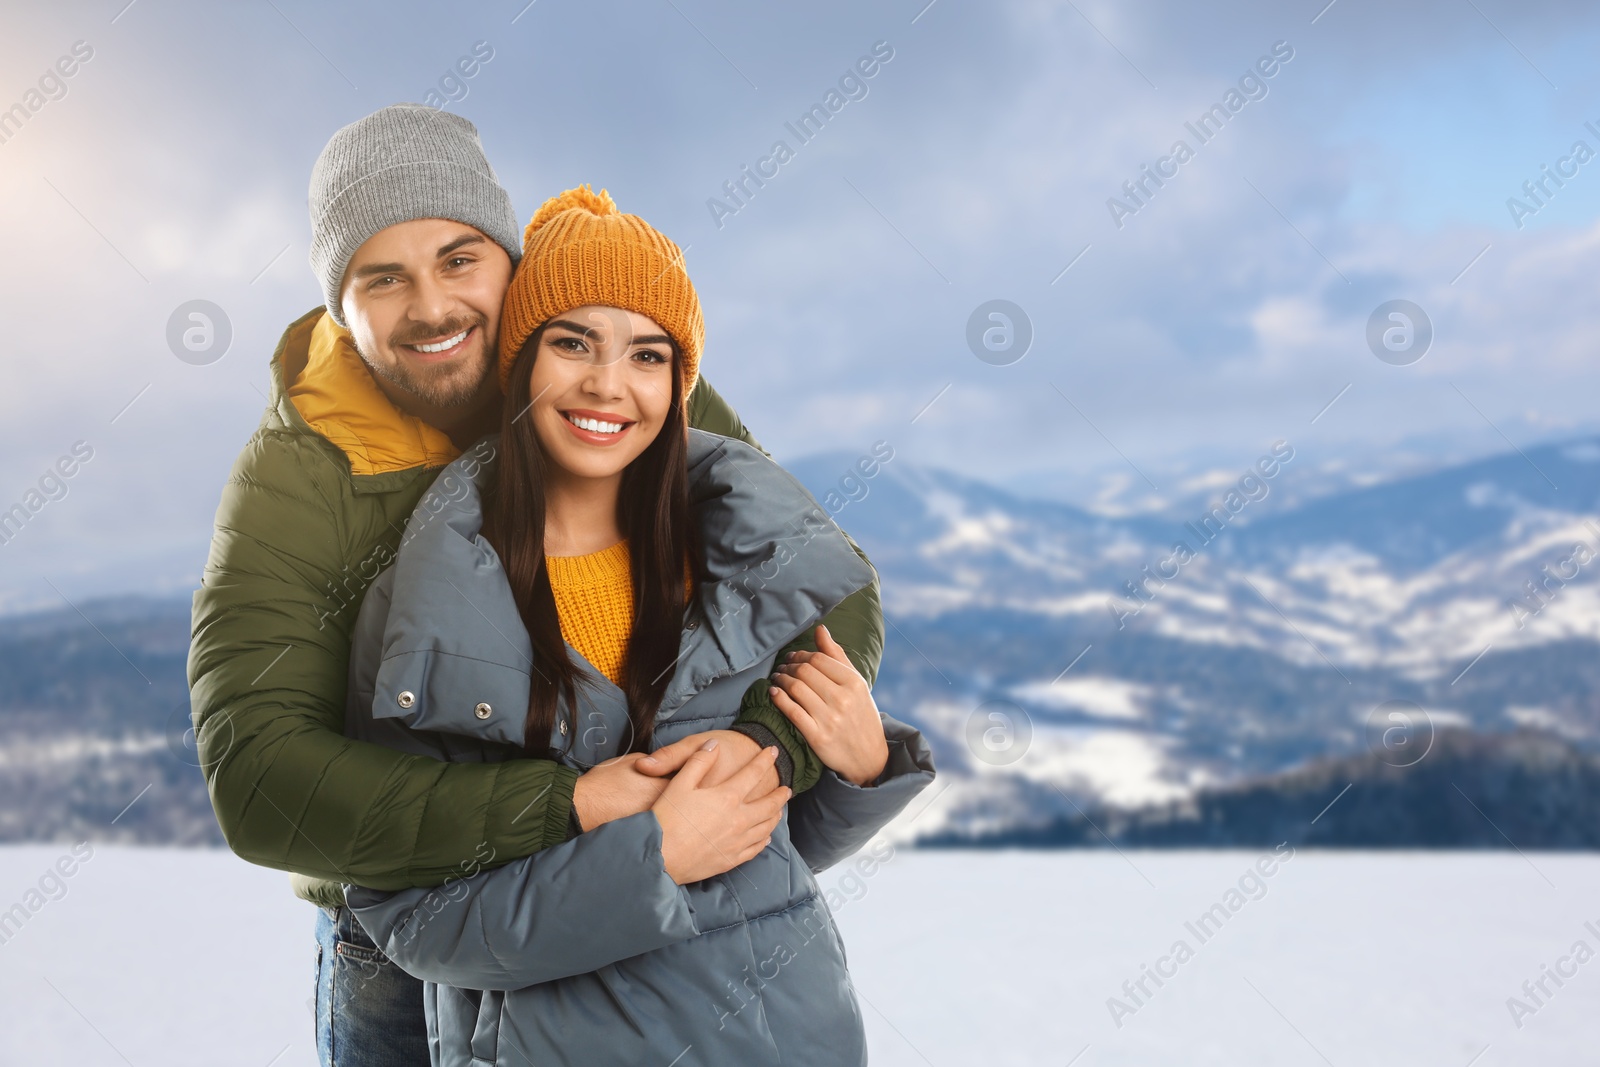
321, 385
775, 564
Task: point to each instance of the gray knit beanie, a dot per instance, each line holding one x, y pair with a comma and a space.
405, 162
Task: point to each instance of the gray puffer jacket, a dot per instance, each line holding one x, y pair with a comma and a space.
587, 952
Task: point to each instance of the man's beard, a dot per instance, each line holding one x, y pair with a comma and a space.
454, 385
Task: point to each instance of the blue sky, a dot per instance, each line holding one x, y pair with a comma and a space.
1222, 316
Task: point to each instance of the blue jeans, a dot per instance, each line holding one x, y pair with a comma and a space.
369, 1011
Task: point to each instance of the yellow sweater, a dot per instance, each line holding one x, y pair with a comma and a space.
594, 598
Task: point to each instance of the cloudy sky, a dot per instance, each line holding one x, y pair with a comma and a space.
1222, 311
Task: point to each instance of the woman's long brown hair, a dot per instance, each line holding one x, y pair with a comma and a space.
653, 513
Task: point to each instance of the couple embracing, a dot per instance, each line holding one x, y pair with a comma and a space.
548, 686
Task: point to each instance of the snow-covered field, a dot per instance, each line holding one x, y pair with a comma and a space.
172, 958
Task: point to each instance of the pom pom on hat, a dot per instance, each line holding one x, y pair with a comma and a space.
581, 198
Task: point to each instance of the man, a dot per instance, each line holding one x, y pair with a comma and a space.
414, 242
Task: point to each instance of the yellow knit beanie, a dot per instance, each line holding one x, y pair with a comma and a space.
579, 249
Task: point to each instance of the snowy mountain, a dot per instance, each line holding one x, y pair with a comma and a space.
94, 727
1144, 672
1061, 661
1412, 574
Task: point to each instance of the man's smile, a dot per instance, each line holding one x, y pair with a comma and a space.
443, 349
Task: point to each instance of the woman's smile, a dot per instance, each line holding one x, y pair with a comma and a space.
596, 427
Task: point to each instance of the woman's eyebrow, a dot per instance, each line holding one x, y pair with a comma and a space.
586, 331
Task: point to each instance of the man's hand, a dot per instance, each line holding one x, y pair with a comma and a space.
734, 750
706, 830
613, 789
831, 705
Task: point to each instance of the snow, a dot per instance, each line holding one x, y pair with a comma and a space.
158, 957
1127, 767
1095, 695
1120, 767
1537, 718
171, 958
76, 748
1379, 959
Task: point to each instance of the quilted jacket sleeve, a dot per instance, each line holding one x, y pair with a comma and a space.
576, 907
834, 818
856, 623
267, 675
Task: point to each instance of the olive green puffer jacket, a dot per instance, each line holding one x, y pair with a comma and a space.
313, 511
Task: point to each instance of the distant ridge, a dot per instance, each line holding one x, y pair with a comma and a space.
1525, 790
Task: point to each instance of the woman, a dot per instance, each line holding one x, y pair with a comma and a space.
642, 575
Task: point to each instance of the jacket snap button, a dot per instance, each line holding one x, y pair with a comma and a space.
483, 711
562, 726
406, 698
692, 624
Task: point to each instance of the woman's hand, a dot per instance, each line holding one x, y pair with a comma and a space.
709, 829
613, 789
831, 705
734, 750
